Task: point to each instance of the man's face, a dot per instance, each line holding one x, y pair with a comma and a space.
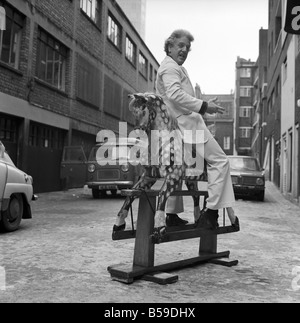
180, 50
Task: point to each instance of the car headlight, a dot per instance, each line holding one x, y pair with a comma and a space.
125, 168
260, 181
91, 168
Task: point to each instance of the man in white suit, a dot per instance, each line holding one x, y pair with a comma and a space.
174, 85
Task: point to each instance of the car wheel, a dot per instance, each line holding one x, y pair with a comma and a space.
261, 196
96, 193
11, 218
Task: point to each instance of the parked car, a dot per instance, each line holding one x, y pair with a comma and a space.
16, 193
118, 173
248, 177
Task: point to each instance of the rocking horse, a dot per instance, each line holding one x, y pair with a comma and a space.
151, 114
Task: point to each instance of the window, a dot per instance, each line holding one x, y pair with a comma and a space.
245, 112
245, 72
45, 136
92, 8
114, 32
10, 38
130, 51
245, 132
51, 62
245, 91
143, 65
88, 82
8, 129
226, 143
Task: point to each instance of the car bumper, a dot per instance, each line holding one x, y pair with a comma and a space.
110, 185
248, 189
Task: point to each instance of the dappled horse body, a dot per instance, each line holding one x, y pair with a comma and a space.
151, 114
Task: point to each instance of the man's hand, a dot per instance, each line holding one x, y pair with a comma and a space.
213, 107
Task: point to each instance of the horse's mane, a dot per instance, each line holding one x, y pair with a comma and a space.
151, 99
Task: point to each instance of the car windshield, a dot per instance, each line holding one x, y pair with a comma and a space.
117, 152
240, 163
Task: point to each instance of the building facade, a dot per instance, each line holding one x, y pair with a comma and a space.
260, 86
244, 110
282, 112
66, 69
222, 125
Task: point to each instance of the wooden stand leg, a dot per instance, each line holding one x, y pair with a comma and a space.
144, 248
208, 244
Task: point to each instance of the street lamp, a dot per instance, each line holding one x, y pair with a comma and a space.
298, 103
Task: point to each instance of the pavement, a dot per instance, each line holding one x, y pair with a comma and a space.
62, 255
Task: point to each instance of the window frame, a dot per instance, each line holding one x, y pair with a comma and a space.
94, 5
130, 51
15, 23
116, 36
245, 132
51, 45
245, 72
143, 65
247, 110
247, 93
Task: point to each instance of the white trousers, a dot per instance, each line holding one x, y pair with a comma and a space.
220, 189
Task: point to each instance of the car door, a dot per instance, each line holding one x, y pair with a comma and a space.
73, 167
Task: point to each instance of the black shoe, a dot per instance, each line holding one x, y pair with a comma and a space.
208, 220
117, 228
236, 223
173, 220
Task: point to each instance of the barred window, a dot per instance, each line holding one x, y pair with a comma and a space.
114, 32
8, 129
245, 72
92, 8
45, 136
245, 112
130, 51
245, 91
51, 62
245, 132
10, 36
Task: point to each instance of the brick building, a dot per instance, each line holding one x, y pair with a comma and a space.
260, 98
222, 125
66, 69
244, 110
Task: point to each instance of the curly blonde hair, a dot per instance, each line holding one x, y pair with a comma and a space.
175, 35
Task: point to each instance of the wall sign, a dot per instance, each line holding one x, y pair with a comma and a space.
292, 21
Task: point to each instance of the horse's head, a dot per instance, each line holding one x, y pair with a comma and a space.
143, 106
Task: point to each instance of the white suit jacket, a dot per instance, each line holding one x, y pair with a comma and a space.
175, 87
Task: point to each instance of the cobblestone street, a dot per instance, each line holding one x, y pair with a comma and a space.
62, 255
